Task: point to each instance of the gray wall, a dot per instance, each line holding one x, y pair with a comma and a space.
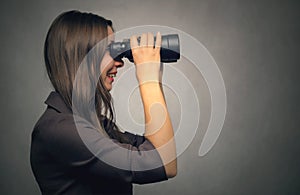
255, 44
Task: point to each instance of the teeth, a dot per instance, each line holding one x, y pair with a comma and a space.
111, 75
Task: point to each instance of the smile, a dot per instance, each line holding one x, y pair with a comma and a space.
111, 75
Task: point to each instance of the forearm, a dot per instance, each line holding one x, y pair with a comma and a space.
159, 130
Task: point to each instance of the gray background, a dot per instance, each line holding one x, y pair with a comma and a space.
255, 44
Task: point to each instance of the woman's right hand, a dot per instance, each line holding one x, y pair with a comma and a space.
146, 57
158, 126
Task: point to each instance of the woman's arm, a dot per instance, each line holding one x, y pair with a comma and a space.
159, 130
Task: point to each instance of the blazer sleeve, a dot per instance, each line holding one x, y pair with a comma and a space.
85, 149
134, 140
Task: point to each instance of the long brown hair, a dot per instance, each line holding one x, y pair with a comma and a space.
75, 37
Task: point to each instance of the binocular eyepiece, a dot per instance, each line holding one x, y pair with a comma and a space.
169, 51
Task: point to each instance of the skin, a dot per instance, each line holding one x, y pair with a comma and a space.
108, 64
158, 126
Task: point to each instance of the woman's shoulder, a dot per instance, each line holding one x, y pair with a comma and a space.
56, 116
51, 120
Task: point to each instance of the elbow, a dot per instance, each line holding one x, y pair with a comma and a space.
171, 171
172, 174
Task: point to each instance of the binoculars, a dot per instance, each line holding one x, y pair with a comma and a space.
169, 51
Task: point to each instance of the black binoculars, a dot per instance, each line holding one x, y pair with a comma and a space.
169, 51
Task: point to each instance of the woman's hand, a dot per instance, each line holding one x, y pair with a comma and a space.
146, 57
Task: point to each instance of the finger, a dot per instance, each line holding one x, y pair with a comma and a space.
150, 40
158, 40
133, 42
144, 40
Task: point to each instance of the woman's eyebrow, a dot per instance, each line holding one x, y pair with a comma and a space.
109, 44
110, 41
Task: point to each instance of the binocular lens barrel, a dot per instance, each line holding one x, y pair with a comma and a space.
169, 51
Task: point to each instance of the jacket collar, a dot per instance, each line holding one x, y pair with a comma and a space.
55, 101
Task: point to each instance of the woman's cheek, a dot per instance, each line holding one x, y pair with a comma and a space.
106, 63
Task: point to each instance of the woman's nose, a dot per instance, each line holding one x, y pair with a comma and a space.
119, 63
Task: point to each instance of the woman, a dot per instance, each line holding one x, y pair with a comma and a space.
76, 147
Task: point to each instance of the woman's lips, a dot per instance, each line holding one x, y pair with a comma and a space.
111, 76
111, 79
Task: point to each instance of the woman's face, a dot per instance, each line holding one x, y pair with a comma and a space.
108, 65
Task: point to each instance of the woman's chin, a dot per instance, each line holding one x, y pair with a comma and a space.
108, 86
108, 83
